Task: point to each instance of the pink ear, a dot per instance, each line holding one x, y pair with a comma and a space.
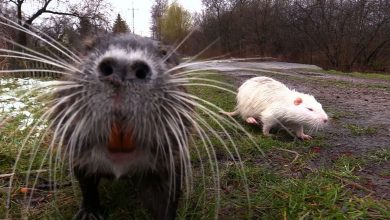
298, 101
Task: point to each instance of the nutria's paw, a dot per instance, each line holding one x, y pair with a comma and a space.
251, 120
269, 135
305, 137
84, 214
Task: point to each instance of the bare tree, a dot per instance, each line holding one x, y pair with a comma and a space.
344, 31
5, 32
91, 9
341, 34
158, 9
218, 21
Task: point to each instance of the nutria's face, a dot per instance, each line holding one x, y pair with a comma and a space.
307, 111
127, 99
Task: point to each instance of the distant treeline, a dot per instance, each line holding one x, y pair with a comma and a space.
69, 23
339, 34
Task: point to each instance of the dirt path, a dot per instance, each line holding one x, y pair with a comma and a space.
359, 110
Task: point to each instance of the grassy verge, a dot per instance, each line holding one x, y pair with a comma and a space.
277, 182
379, 76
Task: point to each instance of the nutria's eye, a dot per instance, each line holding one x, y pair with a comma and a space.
310, 109
164, 52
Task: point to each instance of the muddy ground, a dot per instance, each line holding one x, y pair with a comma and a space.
359, 110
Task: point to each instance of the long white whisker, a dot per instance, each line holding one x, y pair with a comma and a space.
202, 51
27, 56
205, 80
234, 123
48, 114
183, 143
172, 170
18, 27
178, 46
199, 71
211, 86
62, 131
285, 128
32, 70
8, 203
28, 93
181, 66
238, 163
36, 53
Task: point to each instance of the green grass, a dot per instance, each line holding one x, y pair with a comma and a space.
358, 130
280, 182
380, 76
380, 156
341, 84
338, 115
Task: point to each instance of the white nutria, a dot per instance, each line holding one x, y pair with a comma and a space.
275, 104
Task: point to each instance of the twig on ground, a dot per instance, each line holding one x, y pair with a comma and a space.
12, 174
290, 151
6, 175
4, 121
349, 182
35, 171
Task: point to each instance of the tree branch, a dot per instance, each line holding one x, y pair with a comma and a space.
38, 13
13, 1
61, 13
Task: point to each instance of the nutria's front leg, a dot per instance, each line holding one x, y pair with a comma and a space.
300, 134
90, 208
160, 196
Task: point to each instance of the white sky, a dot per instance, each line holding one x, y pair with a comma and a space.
142, 12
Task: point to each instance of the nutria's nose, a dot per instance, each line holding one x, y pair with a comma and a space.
140, 69
116, 71
325, 120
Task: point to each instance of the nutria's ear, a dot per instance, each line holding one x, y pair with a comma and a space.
89, 43
173, 58
163, 49
298, 101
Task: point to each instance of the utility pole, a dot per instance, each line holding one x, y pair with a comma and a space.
133, 10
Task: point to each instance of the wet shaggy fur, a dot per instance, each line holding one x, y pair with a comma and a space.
274, 104
111, 89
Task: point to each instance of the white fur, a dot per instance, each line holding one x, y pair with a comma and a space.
273, 103
97, 160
